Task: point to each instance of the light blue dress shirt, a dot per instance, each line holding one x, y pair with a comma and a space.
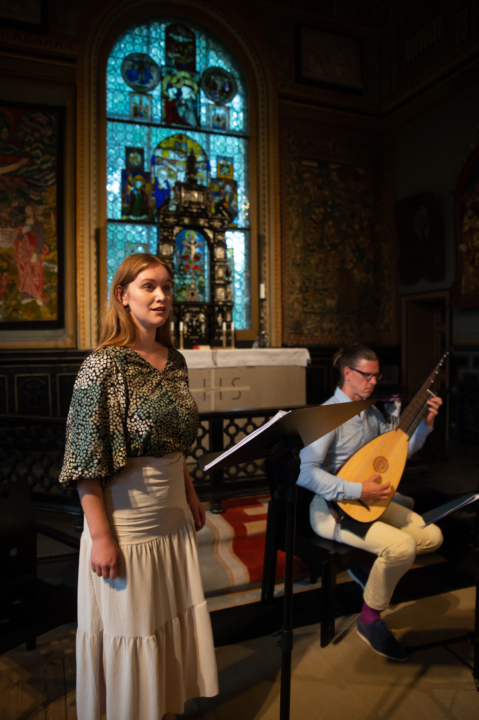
323, 458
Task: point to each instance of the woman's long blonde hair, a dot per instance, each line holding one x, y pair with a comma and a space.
116, 324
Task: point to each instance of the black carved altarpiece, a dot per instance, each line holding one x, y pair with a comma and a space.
202, 319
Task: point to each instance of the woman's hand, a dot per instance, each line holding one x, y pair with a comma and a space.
105, 557
105, 553
196, 508
372, 490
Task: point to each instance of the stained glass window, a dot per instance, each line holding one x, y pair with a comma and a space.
174, 89
191, 260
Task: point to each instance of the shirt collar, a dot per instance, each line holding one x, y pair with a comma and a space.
341, 396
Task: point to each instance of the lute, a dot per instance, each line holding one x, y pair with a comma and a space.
386, 455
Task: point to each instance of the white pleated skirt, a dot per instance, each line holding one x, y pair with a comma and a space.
144, 642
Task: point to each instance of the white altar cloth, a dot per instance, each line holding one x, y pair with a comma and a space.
267, 357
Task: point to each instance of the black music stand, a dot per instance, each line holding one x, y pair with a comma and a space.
280, 443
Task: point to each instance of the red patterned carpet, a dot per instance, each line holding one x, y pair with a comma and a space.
238, 542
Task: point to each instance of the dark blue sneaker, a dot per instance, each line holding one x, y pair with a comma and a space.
359, 575
380, 639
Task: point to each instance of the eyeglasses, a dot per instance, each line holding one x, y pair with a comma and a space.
368, 376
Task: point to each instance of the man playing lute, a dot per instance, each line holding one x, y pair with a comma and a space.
398, 535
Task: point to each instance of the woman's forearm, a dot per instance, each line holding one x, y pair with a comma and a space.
105, 553
91, 498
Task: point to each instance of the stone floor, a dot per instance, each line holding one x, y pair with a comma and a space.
345, 681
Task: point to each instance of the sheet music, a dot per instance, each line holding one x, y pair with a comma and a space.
248, 438
443, 511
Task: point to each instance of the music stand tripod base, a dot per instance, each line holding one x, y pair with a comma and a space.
285, 464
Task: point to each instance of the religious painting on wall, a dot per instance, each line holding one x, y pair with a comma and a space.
420, 239
338, 257
180, 47
224, 197
136, 196
465, 289
179, 97
327, 59
31, 242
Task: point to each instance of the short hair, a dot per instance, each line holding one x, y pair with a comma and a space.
350, 357
116, 324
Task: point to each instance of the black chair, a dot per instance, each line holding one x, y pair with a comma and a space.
29, 606
324, 557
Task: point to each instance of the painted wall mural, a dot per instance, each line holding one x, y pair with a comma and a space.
338, 258
29, 246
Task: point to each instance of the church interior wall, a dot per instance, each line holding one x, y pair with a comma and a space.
422, 155
429, 156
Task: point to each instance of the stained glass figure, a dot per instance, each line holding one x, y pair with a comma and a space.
180, 47
162, 189
219, 118
218, 85
136, 195
170, 163
224, 195
179, 97
134, 158
225, 167
140, 107
191, 264
140, 72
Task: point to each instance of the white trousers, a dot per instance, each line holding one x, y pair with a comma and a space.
396, 539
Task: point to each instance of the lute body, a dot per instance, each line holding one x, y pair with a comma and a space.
386, 455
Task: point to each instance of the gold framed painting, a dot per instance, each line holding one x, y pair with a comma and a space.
33, 307
329, 60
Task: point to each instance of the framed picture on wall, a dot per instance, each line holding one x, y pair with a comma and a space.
32, 292
29, 15
465, 289
323, 58
420, 239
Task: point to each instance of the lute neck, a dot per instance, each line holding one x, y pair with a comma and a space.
417, 408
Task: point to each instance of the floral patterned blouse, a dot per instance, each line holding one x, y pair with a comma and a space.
124, 407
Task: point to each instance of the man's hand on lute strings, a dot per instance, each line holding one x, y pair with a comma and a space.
372, 490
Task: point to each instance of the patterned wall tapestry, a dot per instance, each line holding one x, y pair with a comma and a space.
338, 256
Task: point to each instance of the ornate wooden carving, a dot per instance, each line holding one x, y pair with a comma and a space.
202, 320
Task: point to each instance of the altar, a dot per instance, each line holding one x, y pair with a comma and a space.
224, 379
